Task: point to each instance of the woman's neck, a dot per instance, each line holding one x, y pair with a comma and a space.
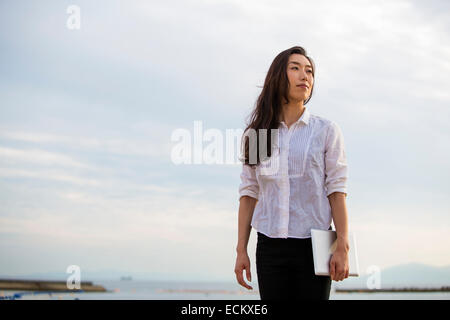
291, 113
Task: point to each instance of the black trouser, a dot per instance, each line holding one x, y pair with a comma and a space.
285, 269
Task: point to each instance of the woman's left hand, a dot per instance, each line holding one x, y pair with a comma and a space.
339, 267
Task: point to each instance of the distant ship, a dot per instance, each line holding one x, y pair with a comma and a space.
126, 278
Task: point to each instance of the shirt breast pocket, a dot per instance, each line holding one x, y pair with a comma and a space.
316, 160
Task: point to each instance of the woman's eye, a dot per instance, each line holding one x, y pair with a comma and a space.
296, 68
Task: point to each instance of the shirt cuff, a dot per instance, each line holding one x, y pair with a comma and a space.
337, 189
248, 193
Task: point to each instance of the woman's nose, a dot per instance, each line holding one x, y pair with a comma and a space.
303, 75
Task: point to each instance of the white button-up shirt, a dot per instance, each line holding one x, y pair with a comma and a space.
310, 164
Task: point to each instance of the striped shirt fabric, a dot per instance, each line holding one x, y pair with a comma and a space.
292, 187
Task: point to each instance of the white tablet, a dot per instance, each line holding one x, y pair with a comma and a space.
324, 244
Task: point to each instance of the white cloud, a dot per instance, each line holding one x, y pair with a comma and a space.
153, 146
385, 243
48, 175
38, 157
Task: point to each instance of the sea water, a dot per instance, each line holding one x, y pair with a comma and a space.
171, 290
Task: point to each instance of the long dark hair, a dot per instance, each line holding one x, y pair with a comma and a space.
267, 111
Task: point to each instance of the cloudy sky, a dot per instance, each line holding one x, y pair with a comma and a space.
87, 115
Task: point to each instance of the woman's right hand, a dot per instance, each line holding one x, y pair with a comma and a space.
243, 263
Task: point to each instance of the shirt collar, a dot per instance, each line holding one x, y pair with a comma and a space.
304, 117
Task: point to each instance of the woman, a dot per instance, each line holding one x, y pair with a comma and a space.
300, 185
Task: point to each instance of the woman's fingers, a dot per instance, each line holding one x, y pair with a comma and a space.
240, 278
340, 274
242, 282
339, 270
332, 269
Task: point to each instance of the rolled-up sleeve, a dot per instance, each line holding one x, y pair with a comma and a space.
336, 168
249, 184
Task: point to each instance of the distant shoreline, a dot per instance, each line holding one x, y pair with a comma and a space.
441, 289
41, 285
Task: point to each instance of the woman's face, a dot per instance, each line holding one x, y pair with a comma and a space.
301, 80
